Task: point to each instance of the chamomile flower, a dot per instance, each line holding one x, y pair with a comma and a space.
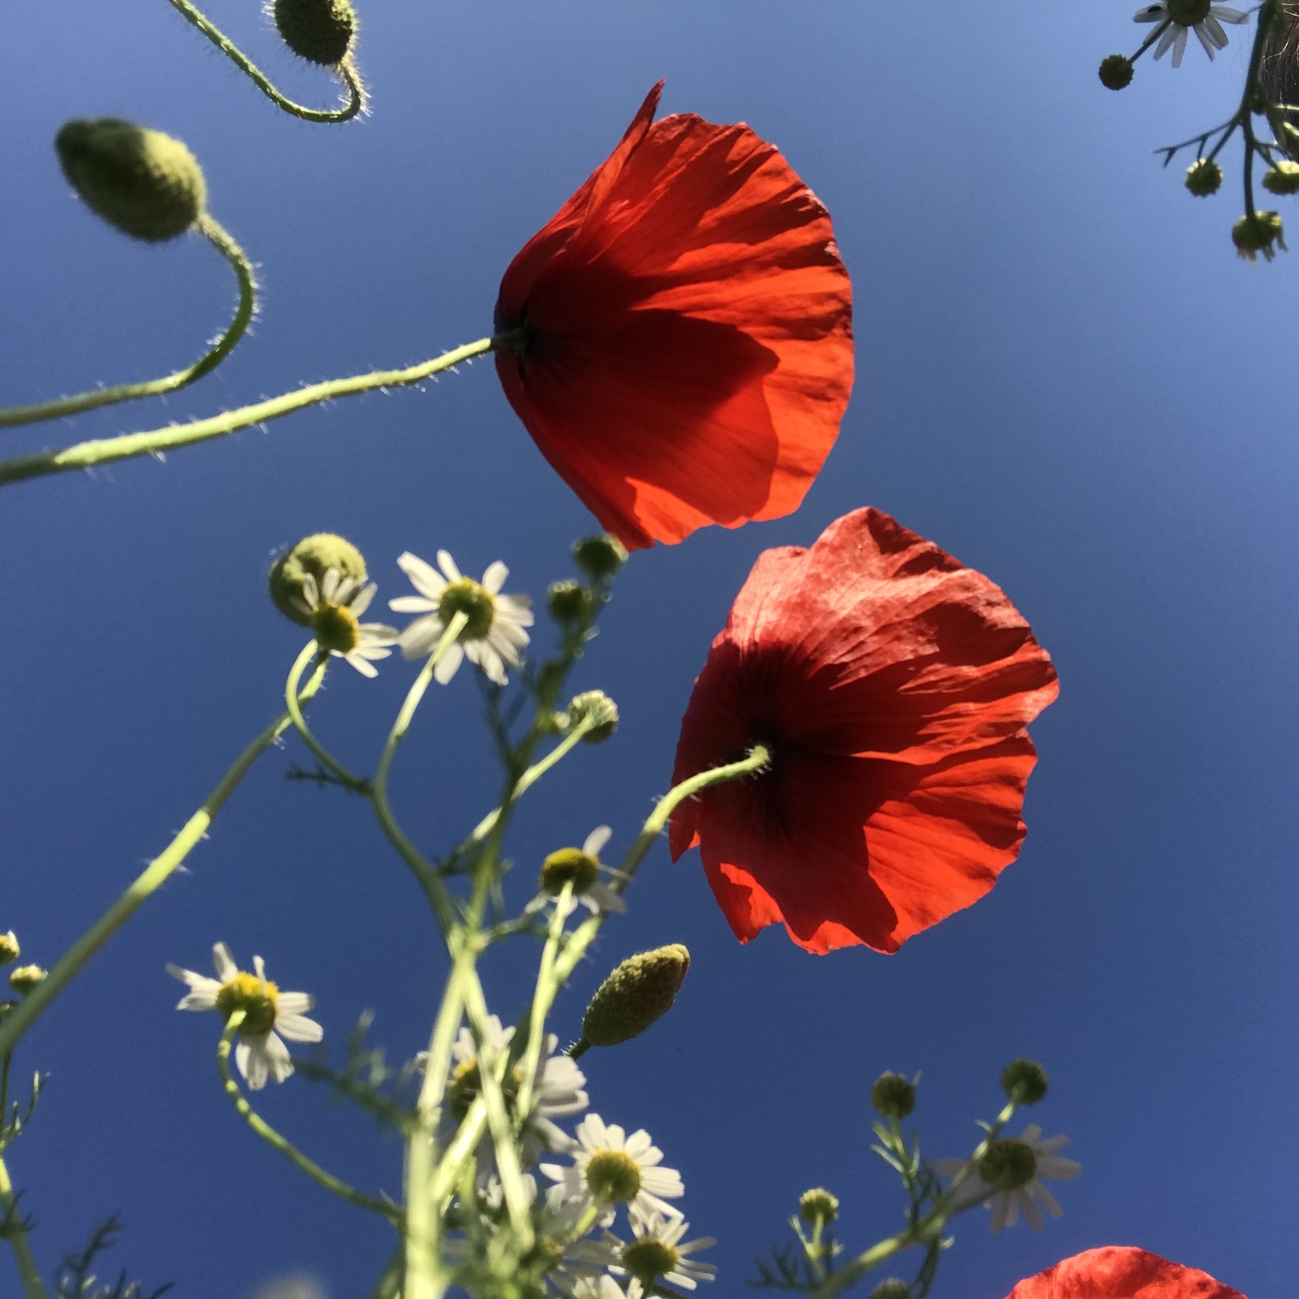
1182, 16
610, 1168
601, 1287
259, 1053
582, 866
1007, 1178
492, 636
334, 606
657, 1253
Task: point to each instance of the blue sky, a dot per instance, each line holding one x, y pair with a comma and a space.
1065, 378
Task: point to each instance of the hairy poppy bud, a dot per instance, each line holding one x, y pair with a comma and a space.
318, 30
569, 602
1203, 177
9, 948
1283, 178
143, 182
602, 711
640, 991
1024, 1081
892, 1288
316, 555
25, 978
1255, 233
1008, 1164
1115, 71
599, 557
893, 1096
818, 1207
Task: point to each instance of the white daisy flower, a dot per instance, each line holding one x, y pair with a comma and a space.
259, 1052
334, 606
601, 1287
556, 1089
492, 637
657, 1253
582, 866
1182, 16
610, 1168
1007, 1179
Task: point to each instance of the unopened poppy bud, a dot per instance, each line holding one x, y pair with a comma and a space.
318, 30
892, 1288
1008, 1164
1203, 177
316, 555
25, 978
1024, 1081
818, 1207
569, 602
602, 712
599, 557
1115, 71
9, 948
1283, 178
1255, 233
640, 991
893, 1096
143, 182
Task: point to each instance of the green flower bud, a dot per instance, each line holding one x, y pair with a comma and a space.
6, 1007
1283, 178
1008, 1164
569, 602
599, 557
315, 555
1115, 71
1024, 1081
640, 991
892, 1288
1203, 177
818, 1207
1255, 233
594, 704
9, 948
25, 978
893, 1096
1188, 12
318, 30
143, 182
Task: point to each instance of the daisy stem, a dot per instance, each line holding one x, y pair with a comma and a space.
128, 446
284, 1146
313, 651
355, 91
26, 1013
226, 245
1151, 39
17, 1233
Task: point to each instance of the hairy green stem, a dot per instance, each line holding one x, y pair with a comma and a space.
313, 651
33, 1286
63, 406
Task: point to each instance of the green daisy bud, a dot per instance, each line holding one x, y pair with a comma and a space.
893, 1096
1115, 71
25, 978
569, 602
143, 182
602, 711
1255, 233
9, 948
640, 991
316, 555
6, 1007
1008, 1164
892, 1288
1024, 1081
818, 1208
1203, 177
321, 31
599, 557
1283, 178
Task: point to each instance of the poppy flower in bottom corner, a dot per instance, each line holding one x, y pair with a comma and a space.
892, 686
1121, 1272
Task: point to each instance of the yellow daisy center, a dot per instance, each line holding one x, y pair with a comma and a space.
1008, 1164
336, 628
257, 998
569, 864
1188, 12
613, 1176
473, 600
649, 1259
467, 1082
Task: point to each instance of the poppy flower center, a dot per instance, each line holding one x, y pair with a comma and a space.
649, 1259
336, 628
255, 997
569, 864
1008, 1164
613, 1176
473, 600
1188, 12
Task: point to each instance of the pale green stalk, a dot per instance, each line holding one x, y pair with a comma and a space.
346, 70
64, 406
541, 1002
33, 1286
25, 1014
128, 446
313, 651
282, 1144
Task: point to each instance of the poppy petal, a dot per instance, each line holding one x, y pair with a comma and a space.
1121, 1272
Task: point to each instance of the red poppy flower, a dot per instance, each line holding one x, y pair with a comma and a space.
892, 685
688, 346
1121, 1272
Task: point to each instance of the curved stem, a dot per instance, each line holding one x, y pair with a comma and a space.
277, 1142
322, 754
355, 91
127, 446
226, 245
33, 1005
